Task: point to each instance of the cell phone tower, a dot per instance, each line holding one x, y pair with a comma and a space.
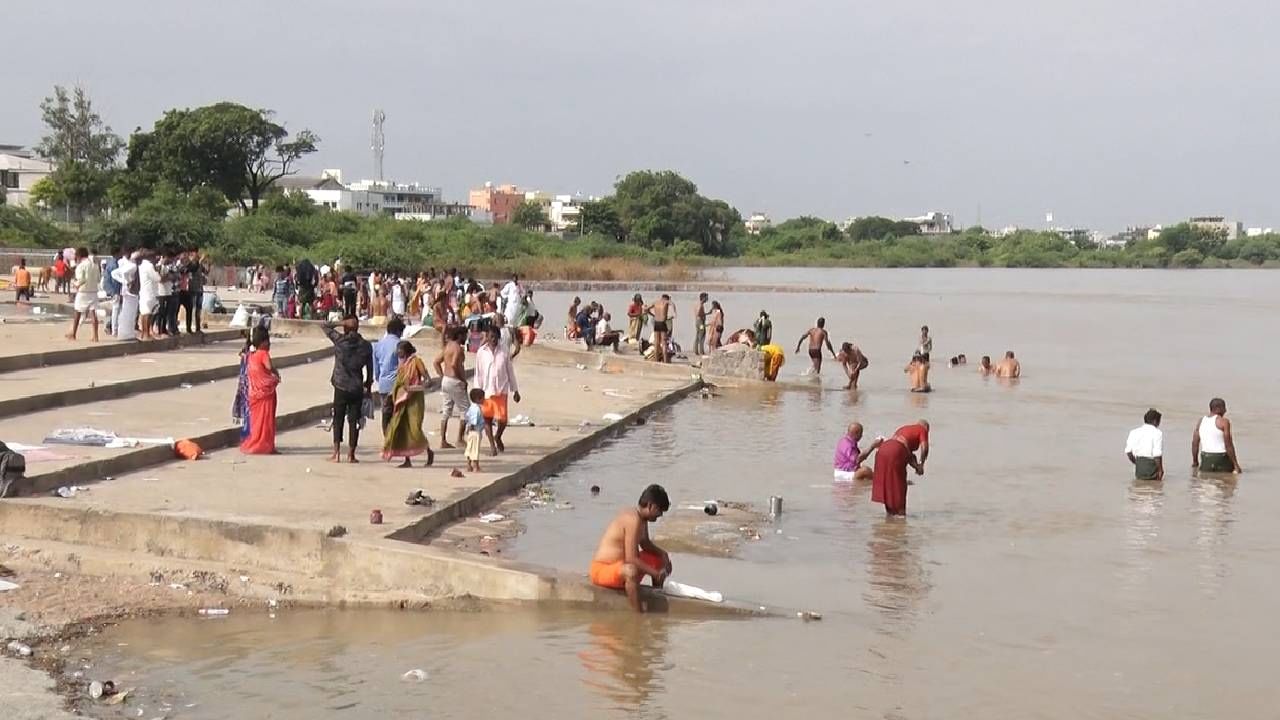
377, 142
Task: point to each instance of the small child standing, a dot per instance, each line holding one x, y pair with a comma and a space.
473, 419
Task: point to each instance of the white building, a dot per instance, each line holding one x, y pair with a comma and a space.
758, 222
1229, 229
932, 223
1258, 232
401, 201
565, 212
20, 170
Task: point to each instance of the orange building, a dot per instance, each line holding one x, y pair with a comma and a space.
500, 201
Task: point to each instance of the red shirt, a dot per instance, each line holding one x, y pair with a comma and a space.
60, 267
914, 435
636, 310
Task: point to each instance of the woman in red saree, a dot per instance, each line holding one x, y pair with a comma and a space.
889, 485
263, 379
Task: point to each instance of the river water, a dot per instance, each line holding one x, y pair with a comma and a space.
1032, 578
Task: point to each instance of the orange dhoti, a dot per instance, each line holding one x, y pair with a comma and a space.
609, 574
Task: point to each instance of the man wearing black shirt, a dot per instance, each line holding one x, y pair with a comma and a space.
352, 380
349, 283
305, 277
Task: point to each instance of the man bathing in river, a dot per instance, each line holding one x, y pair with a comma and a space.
1145, 448
849, 459
1009, 367
854, 362
626, 554
918, 374
1213, 449
984, 367
817, 336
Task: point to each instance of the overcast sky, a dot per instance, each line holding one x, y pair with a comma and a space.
1106, 112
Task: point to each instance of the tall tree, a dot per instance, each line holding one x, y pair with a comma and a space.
529, 215
82, 148
660, 208
238, 150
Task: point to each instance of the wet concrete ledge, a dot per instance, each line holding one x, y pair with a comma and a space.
555, 461
317, 569
110, 349
114, 391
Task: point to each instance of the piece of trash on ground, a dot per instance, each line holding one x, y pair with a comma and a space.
6, 586
214, 612
612, 417
415, 675
492, 517
19, 649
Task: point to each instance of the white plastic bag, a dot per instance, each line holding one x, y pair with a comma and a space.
240, 320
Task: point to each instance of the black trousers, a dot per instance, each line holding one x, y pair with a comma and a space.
171, 316
184, 302
349, 301
160, 318
197, 306
346, 407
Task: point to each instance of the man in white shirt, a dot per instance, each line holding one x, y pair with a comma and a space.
496, 375
85, 285
1145, 448
605, 334
148, 294
124, 322
512, 297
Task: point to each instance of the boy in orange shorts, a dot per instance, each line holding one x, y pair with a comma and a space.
626, 554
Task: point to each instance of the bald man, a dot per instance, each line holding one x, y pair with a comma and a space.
849, 459
889, 483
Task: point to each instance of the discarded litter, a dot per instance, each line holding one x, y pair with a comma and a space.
6, 586
809, 616
492, 518
419, 497
19, 649
146, 360
580, 366
676, 589
375, 517
244, 578
337, 531
612, 417
69, 491
415, 675
186, 386
87, 436
521, 421
214, 612
99, 690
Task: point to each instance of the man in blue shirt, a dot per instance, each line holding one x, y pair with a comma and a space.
112, 287
385, 364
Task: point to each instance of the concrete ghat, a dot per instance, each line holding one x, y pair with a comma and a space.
112, 391
109, 349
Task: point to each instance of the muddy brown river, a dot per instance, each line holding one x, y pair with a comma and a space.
1032, 578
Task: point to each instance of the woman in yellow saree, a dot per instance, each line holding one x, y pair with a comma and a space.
404, 437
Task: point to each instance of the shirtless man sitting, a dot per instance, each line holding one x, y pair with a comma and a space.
1008, 367
918, 373
818, 337
854, 363
663, 313
626, 554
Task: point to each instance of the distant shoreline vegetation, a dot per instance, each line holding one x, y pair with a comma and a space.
179, 179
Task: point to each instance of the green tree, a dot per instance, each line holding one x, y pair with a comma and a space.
879, 228
600, 217
83, 150
240, 151
658, 208
1189, 258
529, 215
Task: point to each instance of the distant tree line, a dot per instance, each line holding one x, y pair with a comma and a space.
173, 185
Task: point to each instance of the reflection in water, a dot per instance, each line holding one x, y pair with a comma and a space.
1212, 497
898, 581
1142, 527
918, 400
624, 659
